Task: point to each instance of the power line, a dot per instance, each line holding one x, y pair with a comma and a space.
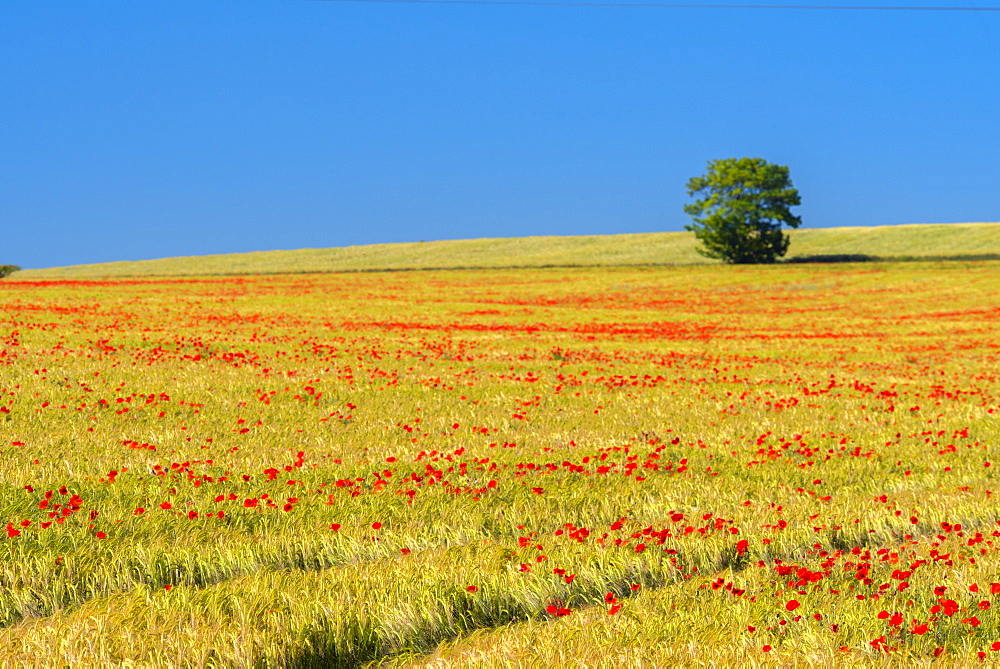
674, 5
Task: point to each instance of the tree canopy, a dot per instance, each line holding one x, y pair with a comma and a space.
742, 205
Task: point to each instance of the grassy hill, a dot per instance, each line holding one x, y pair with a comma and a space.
901, 242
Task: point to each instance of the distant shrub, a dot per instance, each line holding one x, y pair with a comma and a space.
7, 270
834, 257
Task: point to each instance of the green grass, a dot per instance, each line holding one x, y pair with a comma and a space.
937, 241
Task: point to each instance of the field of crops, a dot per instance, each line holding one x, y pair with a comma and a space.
787, 465
942, 241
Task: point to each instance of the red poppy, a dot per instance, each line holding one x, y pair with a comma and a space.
472, 588
376, 526
793, 604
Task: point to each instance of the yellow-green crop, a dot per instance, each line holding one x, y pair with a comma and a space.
791, 465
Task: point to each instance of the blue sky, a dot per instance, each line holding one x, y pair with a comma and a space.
133, 130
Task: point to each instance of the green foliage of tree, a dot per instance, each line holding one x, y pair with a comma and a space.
7, 270
743, 204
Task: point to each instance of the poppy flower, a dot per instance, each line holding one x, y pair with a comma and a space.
794, 604
376, 526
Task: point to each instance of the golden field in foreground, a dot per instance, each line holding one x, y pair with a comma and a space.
786, 465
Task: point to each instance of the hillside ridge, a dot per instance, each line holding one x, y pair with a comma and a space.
932, 241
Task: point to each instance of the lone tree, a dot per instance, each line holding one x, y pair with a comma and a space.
743, 202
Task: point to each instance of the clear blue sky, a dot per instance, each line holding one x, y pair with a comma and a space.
133, 130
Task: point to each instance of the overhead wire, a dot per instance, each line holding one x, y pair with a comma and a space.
679, 5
